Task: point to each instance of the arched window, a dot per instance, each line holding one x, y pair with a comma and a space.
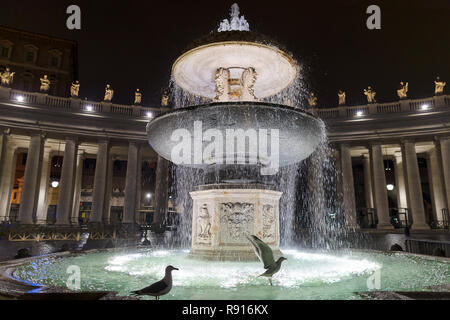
31, 53
5, 49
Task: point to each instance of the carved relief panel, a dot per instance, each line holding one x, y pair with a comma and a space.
236, 219
203, 225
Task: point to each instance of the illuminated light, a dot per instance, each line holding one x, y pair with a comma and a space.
148, 195
359, 113
424, 107
55, 184
89, 108
20, 98
149, 114
390, 187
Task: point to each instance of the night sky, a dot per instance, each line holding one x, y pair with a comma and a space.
132, 44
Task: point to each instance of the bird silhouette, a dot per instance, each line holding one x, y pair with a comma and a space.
265, 255
159, 288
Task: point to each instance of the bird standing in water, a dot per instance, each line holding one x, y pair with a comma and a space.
265, 255
159, 288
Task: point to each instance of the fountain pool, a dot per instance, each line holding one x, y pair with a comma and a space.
305, 275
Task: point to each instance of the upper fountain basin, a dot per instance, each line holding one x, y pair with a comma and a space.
194, 70
299, 132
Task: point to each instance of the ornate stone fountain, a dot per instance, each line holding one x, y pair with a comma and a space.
238, 138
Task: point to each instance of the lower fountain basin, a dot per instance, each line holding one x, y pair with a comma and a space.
192, 130
305, 275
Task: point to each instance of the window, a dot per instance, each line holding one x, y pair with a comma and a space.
29, 56
54, 58
54, 62
31, 53
5, 49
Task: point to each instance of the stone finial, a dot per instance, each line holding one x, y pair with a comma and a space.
109, 93
402, 92
439, 86
137, 97
75, 89
312, 100
370, 93
7, 77
235, 23
341, 98
45, 84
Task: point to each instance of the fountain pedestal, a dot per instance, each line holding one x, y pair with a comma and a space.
224, 214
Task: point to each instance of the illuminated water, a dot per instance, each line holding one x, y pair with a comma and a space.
305, 275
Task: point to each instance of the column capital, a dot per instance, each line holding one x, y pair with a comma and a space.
407, 140
375, 143
442, 138
42, 134
72, 138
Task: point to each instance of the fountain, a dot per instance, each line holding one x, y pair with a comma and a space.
238, 139
235, 73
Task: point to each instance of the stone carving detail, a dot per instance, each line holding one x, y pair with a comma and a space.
204, 225
222, 85
370, 93
235, 23
269, 223
109, 93
402, 92
439, 86
312, 100
45, 84
248, 80
137, 97
74, 89
341, 96
7, 77
236, 220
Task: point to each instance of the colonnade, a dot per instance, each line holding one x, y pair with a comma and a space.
408, 186
34, 197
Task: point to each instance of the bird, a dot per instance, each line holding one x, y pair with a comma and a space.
159, 288
265, 255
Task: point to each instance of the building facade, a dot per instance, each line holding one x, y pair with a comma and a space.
31, 56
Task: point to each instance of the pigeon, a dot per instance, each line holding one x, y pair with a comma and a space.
265, 255
159, 288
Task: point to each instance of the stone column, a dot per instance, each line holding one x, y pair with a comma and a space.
367, 181
67, 184
161, 194
380, 197
414, 194
139, 186
98, 194
131, 184
77, 189
400, 181
7, 174
437, 189
348, 186
29, 198
108, 190
445, 160
3, 139
44, 185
